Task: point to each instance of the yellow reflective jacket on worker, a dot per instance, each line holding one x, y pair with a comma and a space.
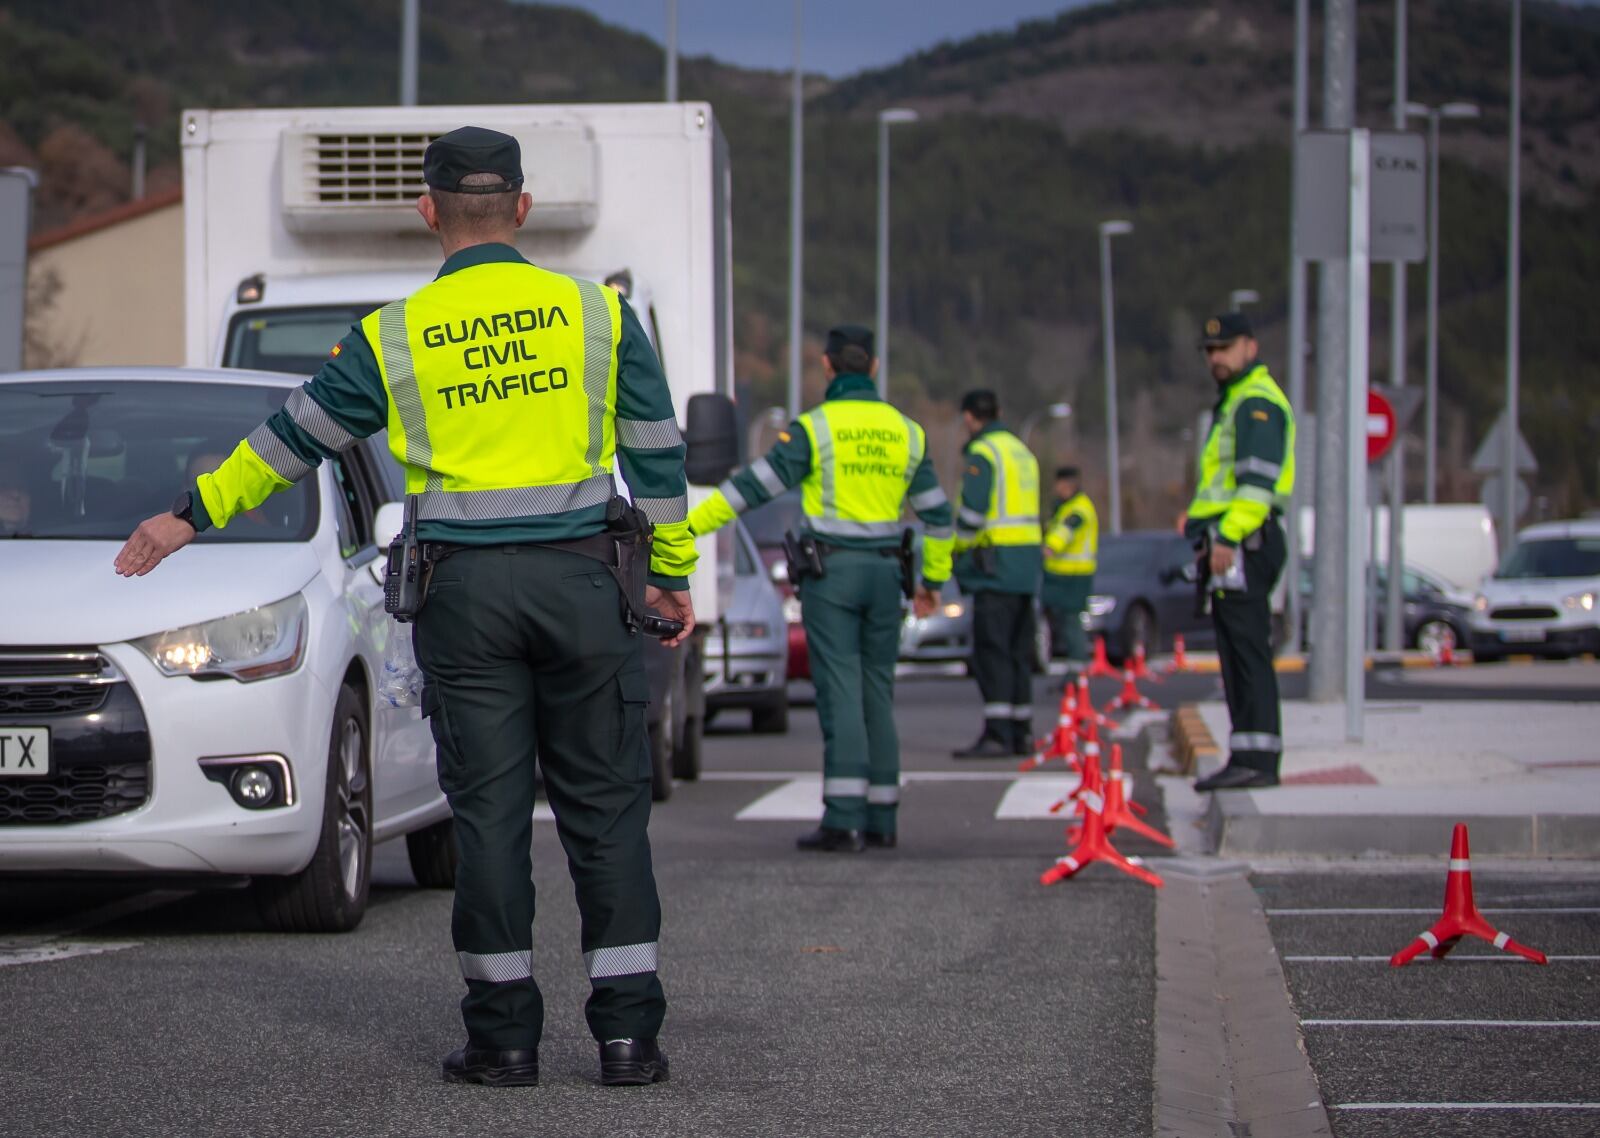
1072, 538
1247, 464
859, 462
509, 393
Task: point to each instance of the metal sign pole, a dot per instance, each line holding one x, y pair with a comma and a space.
1392, 627
1296, 362
1355, 331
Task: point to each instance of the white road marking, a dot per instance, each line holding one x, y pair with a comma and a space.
542, 812
1498, 958
905, 776
1408, 912
52, 951
1466, 1106
798, 800
1573, 1023
1031, 798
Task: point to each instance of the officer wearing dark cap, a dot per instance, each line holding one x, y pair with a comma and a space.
858, 462
511, 393
1246, 477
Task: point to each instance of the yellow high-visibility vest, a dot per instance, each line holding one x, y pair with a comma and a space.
1012, 516
502, 383
865, 453
1071, 552
1218, 486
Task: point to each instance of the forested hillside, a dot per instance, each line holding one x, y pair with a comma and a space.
1171, 113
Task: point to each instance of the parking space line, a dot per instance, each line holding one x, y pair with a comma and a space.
1466, 1106
1414, 912
1518, 1023
1497, 958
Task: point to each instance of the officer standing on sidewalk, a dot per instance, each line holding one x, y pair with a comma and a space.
522, 636
997, 546
1246, 477
1071, 541
858, 460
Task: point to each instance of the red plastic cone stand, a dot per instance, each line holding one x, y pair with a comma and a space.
1095, 846
1461, 916
1445, 657
1101, 664
1120, 808
1088, 766
1063, 743
1088, 717
1130, 697
1141, 669
1179, 661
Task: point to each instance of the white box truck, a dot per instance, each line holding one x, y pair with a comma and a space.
298, 222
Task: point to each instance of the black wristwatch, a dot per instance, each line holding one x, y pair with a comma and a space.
183, 507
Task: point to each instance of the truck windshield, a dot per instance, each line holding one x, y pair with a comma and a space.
90, 460
1553, 557
295, 340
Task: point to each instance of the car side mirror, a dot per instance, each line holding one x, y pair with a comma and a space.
779, 573
711, 436
387, 522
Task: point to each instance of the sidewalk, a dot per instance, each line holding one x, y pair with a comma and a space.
1524, 776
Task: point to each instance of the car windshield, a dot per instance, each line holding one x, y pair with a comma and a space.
295, 340
90, 460
1553, 557
768, 522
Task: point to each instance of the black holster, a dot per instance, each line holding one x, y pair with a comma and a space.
802, 556
908, 579
624, 549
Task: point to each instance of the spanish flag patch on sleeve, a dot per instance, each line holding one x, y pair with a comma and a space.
337, 348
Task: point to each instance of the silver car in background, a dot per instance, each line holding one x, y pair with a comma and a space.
746, 651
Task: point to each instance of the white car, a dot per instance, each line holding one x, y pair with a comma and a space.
1545, 598
220, 716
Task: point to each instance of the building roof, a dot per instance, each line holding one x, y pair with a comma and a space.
105, 220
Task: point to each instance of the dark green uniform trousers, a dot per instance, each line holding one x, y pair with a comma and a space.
1002, 662
852, 620
1244, 648
1065, 596
525, 654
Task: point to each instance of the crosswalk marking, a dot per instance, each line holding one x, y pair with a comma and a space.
1031, 798
800, 799
51, 951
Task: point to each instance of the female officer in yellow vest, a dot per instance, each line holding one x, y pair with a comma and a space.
858, 461
1070, 544
510, 393
997, 545
1246, 477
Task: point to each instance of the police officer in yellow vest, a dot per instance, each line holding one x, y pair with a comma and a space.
858, 462
1071, 541
997, 545
1246, 477
510, 393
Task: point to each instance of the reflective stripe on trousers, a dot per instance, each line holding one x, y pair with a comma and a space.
622, 960
1255, 741
496, 967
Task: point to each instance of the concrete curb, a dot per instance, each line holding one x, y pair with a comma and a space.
1238, 827
1229, 1057
1191, 738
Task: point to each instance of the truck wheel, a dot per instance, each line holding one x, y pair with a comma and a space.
432, 853
771, 718
330, 894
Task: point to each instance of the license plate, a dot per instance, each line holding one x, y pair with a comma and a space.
1521, 635
24, 751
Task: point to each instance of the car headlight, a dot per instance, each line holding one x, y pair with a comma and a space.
954, 609
1584, 601
251, 645
1099, 605
1481, 603
791, 609
747, 630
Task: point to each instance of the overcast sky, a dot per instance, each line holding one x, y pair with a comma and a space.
841, 36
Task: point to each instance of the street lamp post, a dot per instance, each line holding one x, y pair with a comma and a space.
672, 51
886, 119
796, 212
1508, 469
1431, 415
1108, 230
1240, 297
1054, 411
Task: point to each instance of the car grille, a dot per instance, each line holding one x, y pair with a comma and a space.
75, 794
1524, 612
38, 684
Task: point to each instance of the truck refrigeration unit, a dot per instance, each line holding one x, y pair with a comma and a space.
299, 222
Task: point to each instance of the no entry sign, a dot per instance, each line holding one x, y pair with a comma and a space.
1380, 425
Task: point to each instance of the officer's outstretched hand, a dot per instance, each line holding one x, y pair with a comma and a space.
674, 605
924, 602
153, 542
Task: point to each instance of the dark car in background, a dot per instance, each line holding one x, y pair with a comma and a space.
1434, 616
1140, 597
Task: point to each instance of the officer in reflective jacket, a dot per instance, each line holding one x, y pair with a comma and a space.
998, 562
1071, 541
858, 461
1246, 477
510, 393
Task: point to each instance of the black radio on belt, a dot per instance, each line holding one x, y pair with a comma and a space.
803, 557
403, 581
